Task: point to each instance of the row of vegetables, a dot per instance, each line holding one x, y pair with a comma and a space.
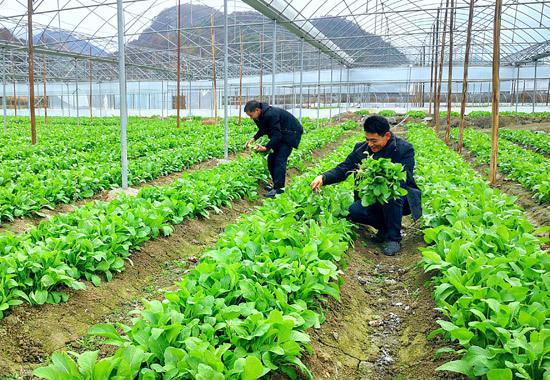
244, 310
94, 240
537, 141
73, 163
530, 169
76, 167
492, 278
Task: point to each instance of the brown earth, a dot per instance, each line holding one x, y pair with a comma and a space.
378, 329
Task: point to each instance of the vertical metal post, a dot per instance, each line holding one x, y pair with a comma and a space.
122, 90
45, 95
318, 85
179, 69
14, 82
77, 100
465, 77
138, 97
408, 88
535, 86
330, 104
301, 76
62, 107
100, 98
31, 71
274, 62
347, 95
241, 78
496, 92
190, 98
91, 78
68, 98
340, 94
161, 99
261, 66
4, 90
225, 75
517, 87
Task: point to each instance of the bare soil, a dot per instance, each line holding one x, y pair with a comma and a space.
378, 329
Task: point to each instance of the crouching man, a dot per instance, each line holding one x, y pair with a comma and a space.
386, 218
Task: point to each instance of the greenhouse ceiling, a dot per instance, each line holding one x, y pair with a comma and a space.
77, 39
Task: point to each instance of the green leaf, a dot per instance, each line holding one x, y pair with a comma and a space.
499, 374
253, 368
105, 330
86, 362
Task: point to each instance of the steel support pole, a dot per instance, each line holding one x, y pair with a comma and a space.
301, 76
31, 71
61, 103
517, 87
330, 104
190, 93
225, 75
535, 86
340, 94
77, 100
318, 85
161, 99
122, 90
4, 91
100, 99
273, 62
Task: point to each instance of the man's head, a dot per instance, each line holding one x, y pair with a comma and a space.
377, 132
252, 109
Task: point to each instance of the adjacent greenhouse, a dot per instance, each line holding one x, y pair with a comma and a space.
145, 234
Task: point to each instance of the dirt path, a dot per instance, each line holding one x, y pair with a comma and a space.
28, 335
378, 330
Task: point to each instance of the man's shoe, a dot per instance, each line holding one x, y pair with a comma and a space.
391, 248
273, 192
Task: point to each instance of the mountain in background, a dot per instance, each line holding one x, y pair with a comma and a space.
66, 41
6, 35
379, 52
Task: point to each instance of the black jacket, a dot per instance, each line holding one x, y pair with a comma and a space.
399, 151
279, 125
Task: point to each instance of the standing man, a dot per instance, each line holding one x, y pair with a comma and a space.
386, 218
284, 132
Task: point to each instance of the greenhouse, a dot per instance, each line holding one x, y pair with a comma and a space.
275, 189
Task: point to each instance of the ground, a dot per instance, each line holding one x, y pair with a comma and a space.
378, 329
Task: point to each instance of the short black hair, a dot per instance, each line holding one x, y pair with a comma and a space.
251, 105
376, 124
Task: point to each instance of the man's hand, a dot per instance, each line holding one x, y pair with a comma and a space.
317, 183
251, 141
261, 148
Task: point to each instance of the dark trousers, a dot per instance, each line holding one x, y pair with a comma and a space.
386, 218
276, 163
